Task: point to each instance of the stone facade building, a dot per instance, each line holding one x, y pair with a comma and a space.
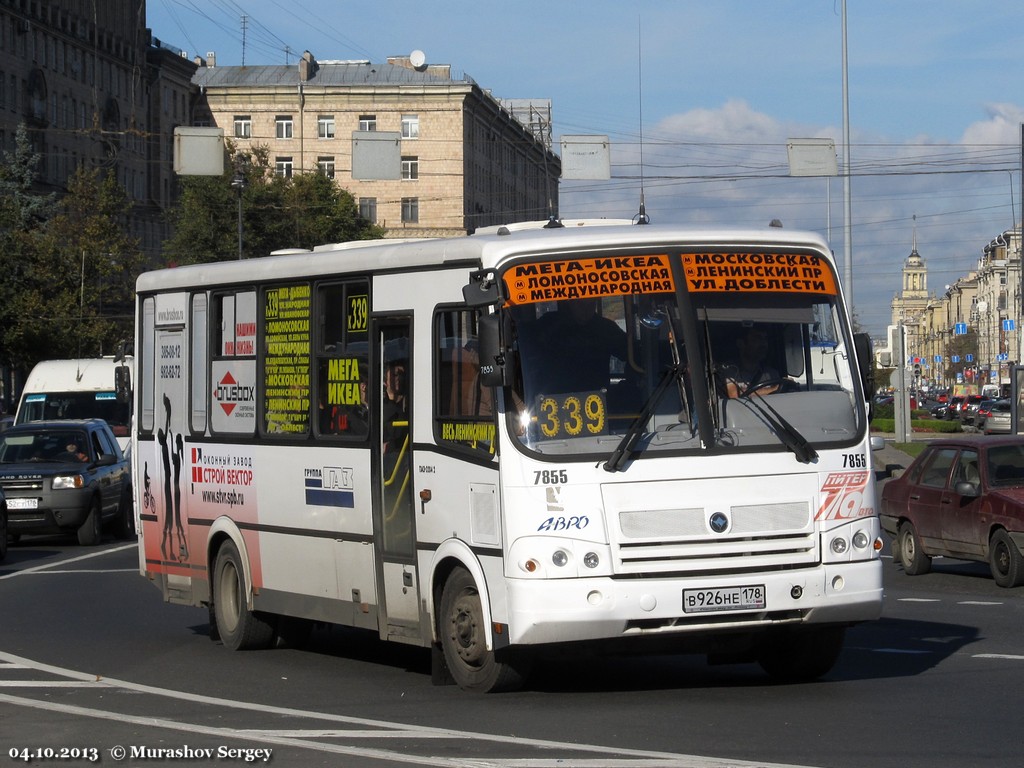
460, 159
93, 88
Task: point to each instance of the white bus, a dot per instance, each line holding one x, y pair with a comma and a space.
430, 440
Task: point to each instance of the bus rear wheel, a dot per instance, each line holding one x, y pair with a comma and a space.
239, 628
463, 635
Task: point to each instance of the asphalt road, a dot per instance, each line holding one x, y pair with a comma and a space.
91, 659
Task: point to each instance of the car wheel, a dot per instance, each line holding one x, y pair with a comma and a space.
1005, 560
3, 534
915, 562
124, 527
92, 529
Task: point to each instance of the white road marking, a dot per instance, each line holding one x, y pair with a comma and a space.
1010, 656
624, 758
60, 563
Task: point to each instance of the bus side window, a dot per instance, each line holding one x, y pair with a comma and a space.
342, 365
464, 407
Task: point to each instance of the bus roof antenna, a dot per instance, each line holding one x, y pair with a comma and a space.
641, 217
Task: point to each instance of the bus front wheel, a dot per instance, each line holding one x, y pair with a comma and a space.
239, 628
464, 640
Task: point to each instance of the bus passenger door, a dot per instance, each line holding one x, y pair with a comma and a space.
394, 519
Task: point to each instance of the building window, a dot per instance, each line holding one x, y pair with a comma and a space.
325, 126
410, 210
368, 209
326, 165
367, 122
410, 126
283, 167
243, 126
284, 126
410, 168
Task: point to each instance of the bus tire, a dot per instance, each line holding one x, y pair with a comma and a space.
239, 628
91, 531
802, 655
463, 632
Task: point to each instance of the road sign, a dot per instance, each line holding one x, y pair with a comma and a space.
959, 329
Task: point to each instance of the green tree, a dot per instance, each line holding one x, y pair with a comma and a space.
960, 346
87, 239
23, 214
69, 266
277, 212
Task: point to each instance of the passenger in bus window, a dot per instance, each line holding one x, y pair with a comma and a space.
578, 345
394, 412
750, 372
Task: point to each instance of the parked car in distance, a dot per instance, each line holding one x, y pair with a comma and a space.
999, 420
953, 407
963, 498
969, 409
938, 410
984, 409
65, 476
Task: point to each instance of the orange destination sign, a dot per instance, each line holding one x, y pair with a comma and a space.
756, 272
583, 278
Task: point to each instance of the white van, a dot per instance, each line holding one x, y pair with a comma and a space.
77, 389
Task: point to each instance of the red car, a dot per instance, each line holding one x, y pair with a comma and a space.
963, 497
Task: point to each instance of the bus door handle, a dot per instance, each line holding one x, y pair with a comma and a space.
425, 496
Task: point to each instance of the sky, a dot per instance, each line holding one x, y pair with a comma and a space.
699, 98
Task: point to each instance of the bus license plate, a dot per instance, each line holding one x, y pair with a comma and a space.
723, 599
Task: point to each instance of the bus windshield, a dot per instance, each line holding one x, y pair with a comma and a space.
650, 371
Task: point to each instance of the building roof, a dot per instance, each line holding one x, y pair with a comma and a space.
326, 73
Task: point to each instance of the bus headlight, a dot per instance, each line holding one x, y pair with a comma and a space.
861, 540
559, 558
591, 560
839, 545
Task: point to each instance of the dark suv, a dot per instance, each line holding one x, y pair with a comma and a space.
64, 476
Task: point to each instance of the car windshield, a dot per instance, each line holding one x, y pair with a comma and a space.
49, 445
1006, 465
77, 405
640, 372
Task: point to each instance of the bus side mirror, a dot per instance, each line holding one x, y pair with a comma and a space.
493, 371
123, 383
483, 289
865, 363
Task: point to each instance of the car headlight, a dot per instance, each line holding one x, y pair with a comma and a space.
68, 481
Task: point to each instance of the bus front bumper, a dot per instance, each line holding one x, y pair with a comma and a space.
565, 610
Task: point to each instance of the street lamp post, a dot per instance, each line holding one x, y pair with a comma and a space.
239, 183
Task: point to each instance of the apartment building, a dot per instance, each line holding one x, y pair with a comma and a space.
423, 152
93, 88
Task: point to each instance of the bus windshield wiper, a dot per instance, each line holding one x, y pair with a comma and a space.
636, 429
788, 434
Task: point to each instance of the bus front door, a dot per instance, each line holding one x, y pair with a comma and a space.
394, 521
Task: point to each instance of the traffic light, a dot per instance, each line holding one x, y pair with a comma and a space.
917, 369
